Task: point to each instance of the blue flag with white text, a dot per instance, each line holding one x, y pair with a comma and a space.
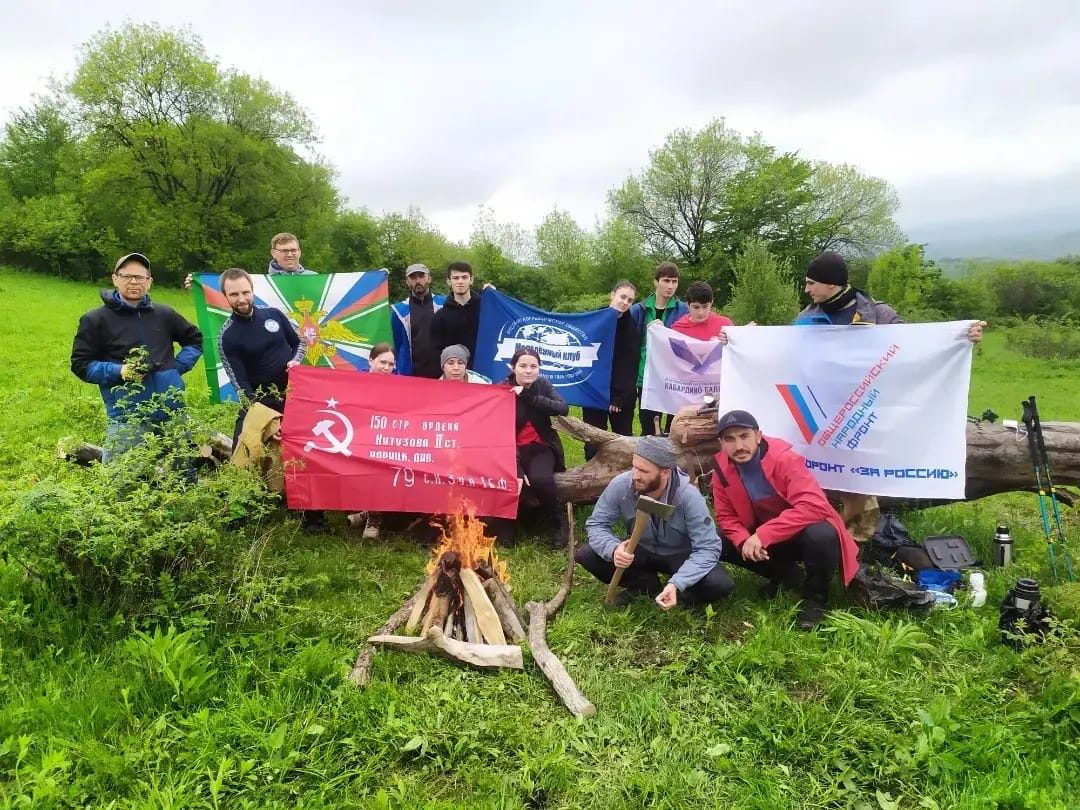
575, 348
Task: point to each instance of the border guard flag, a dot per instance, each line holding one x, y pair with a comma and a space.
339, 316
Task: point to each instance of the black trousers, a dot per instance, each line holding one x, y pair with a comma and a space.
642, 576
537, 462
647, 419
621, 423
817, 547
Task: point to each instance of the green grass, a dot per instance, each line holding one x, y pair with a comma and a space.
727, 708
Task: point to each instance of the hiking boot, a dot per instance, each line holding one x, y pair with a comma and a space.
789, 581
811, 614
371, 528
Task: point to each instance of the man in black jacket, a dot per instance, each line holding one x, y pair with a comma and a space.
459, 319
257, 347
125, 347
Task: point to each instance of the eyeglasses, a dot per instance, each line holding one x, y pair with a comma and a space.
132, 277
290, 250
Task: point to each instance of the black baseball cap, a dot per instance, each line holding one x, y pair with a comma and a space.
736, 419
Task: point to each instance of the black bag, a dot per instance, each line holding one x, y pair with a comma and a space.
873, 589
892, 546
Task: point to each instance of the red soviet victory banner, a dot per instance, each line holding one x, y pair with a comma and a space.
361, 441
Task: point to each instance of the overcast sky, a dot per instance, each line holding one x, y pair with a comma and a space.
970, 109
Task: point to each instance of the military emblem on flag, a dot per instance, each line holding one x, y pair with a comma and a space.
339, 316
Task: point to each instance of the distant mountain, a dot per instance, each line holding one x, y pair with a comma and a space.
1042, 236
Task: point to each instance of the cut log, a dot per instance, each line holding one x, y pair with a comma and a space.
421, 600
472, 629
996, 461
486, 617
448, 626
484, 656
361, 671
83, 453
511, 623
436, 613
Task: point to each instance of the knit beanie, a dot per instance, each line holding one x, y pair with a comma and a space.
828, 268
659, 450
456, 351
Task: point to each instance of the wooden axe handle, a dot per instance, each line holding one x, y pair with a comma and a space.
635, 536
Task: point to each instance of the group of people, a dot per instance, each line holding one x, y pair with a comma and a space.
771, 513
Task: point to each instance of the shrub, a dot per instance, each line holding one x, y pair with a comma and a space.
764, 291
1046, 338
138, 532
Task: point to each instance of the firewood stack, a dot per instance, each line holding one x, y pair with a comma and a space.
464, 610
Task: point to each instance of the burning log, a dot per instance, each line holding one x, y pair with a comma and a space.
453, 611
504, 607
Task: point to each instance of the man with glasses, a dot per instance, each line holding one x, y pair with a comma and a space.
284, 259
125, 347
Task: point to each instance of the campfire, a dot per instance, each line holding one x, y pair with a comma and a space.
464, 612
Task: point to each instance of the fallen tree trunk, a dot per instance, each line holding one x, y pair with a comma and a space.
996, 460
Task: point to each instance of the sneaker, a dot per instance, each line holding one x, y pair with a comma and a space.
811, 614
371, 528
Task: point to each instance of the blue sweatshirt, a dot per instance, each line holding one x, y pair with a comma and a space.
254, 352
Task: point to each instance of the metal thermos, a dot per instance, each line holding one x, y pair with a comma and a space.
1003, 547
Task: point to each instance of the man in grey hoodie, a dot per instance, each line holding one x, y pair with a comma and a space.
685, 546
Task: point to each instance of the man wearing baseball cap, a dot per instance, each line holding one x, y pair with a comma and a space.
683, 546
774, 515
415, 351
106, 352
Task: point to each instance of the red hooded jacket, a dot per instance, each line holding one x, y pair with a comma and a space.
786, 472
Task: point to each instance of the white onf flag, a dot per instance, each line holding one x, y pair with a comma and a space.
679, 370
879, 410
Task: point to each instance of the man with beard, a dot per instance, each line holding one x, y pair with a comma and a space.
774, 515
684, 546
416, 353
257, 347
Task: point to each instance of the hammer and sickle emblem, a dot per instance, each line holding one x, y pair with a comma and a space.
323, 430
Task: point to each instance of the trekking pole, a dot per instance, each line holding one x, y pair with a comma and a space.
1033, 450
1053, 490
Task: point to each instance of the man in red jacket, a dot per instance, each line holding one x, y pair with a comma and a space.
770, 507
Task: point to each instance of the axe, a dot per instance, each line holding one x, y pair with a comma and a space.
646, 507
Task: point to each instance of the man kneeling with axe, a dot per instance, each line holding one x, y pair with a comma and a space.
667, 515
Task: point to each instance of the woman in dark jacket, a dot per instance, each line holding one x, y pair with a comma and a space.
539, 450
624, 369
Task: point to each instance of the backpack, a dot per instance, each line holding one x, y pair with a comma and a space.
892, 546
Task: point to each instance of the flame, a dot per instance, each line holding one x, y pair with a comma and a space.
465, 534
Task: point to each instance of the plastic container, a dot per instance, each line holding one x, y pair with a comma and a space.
977, 582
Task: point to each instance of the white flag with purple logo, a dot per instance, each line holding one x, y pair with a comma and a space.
679, 370
879, 410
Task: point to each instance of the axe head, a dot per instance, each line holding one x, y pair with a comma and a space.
651, 506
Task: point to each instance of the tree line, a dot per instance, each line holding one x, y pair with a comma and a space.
153, 145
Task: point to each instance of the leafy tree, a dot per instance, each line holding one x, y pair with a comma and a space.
904, 279
564, 250
190, 162
411, 238
672, 203
617, 253
850, 212
764, 290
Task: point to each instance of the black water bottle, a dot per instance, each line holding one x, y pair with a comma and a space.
1003, 547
